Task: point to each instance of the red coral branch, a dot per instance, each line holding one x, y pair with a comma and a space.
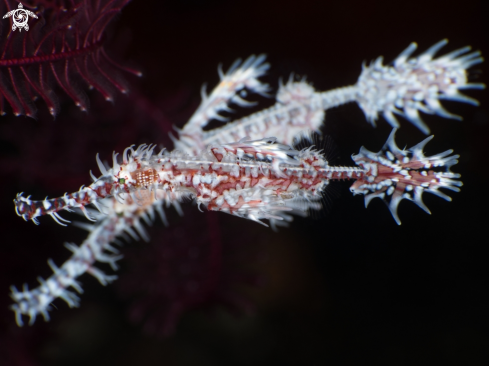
64, 46
22, 61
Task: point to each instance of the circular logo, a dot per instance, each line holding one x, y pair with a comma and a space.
20, 17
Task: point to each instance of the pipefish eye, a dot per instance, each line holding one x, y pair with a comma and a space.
122, 181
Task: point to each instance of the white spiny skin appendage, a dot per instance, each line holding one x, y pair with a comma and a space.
413, 85
262, 179
299, 108
94, 248
251, 179
113, 182
408, 86
233, 87
118, 220
242, 170
395, 174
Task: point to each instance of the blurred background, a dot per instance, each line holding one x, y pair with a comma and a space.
349, 287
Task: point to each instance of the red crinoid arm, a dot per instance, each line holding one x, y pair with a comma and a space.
64, 44
393, 174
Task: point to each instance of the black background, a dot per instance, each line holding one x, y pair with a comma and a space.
348, 288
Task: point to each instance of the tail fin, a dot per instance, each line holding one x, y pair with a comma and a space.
393, 174
417, 84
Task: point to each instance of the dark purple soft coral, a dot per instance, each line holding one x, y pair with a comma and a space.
184, 269
63, 48
187, 266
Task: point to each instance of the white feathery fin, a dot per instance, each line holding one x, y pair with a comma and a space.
173, 138
115, 164
119, 198
393, 205
177, 207
389, 116
220, 72
379, 62
430, 52
84, 226
85, 212
151, 213
141, 230
417, 149
460, 51
150, 151
457, 97
101, 165
145, 216
239, 76
56, 217
393, 174
403, 56
440, 194
253, 218
162, 151
416, 84
471, 60
418, 199
391, 143
140, 151
473, 86
97, 205
203, 92
125, 158
413, 116
369, 197
234, 66
131, 232
94, 178
435, 105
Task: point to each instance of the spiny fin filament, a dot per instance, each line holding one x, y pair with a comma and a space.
393, 174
